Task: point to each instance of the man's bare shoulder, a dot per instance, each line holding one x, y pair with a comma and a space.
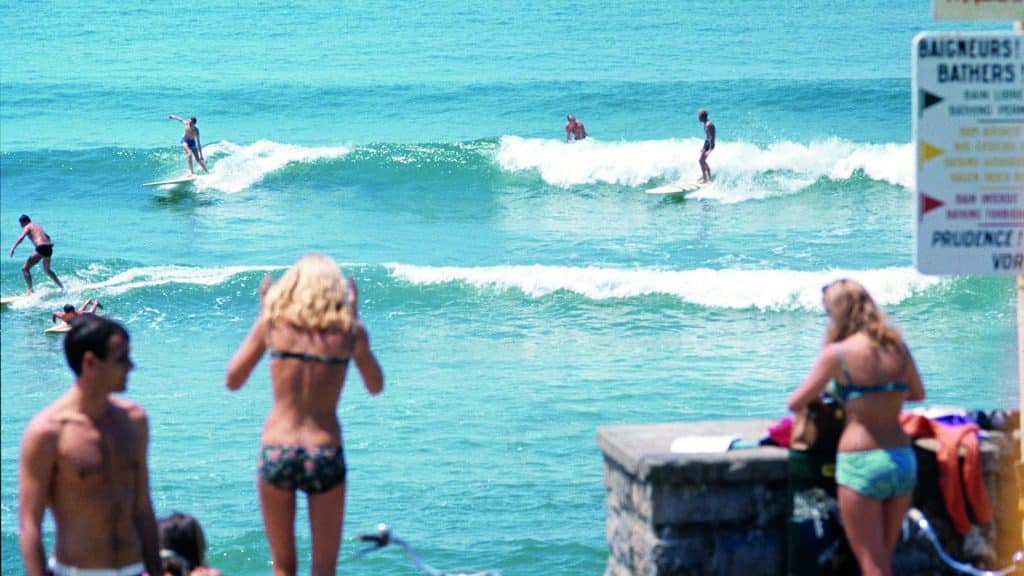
48, 423
131, 410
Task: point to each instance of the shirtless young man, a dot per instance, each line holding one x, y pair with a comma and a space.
43, 251
83, 457
574, 128
190, 142
69, 313
709, 145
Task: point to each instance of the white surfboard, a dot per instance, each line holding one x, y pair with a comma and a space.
11, 299
680, 189
58, 329
181, 180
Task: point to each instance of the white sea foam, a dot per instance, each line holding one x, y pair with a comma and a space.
96, 282
729, 288
235, 168
149, 276
742, 170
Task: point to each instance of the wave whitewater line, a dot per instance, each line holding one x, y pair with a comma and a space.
728, 288
792, 165
743, 170
763, 289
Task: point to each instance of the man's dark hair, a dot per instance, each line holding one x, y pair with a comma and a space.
181, 534
193, 119
24, 219
68, 308
90, 333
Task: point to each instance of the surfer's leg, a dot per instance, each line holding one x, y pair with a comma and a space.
705, 171
29, 263
188, 154
46, 268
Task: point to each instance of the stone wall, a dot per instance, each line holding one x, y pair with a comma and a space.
726, 513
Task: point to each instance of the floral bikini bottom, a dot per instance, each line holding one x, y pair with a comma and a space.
294, 468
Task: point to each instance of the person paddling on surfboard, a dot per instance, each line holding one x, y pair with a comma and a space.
574, 128
69, 313
709, 145
43, 251
190, 142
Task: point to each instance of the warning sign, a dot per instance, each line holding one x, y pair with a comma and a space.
968, 106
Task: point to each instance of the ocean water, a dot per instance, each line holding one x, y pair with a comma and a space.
520, 292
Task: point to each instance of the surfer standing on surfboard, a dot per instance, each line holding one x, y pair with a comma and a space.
43, 251
709, 145
190, 142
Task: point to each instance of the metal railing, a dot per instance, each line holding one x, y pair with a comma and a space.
383, 538
917, 518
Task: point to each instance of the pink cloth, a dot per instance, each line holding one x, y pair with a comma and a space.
782, 433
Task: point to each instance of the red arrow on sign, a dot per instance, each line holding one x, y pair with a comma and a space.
927, 204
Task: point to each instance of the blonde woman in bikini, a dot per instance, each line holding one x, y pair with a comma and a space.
309, 324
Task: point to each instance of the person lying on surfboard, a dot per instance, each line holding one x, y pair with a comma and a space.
43, 251
190, 142
69, 313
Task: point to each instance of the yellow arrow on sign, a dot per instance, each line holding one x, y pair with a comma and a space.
928, 152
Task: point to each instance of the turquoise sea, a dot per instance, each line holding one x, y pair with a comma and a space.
520, 292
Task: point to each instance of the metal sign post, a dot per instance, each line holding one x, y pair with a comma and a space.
968, 117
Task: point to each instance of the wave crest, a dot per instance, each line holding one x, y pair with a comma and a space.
742, 170
729, 288
237, 167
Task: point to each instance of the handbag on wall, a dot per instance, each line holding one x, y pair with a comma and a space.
819, 427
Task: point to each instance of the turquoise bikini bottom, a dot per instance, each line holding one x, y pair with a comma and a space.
878, 474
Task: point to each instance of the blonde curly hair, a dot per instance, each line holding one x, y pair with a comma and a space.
312, 295
851, 310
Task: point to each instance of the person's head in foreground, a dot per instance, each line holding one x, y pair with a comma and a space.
851, 309
312, 295
182, 544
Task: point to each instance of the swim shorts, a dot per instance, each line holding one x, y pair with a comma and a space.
45, 250
58, 569
878, 474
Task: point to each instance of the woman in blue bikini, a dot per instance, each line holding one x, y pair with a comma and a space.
310, 326
873, 374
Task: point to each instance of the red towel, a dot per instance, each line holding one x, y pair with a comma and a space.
950, 439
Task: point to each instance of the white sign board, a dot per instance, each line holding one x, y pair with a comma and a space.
968, 107
978, 9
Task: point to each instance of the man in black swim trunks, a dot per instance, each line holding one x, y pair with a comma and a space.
709, 145
190, 142
44, 250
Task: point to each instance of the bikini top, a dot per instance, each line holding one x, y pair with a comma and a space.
850, 391
303, 356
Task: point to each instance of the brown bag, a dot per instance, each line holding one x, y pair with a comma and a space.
819, 427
